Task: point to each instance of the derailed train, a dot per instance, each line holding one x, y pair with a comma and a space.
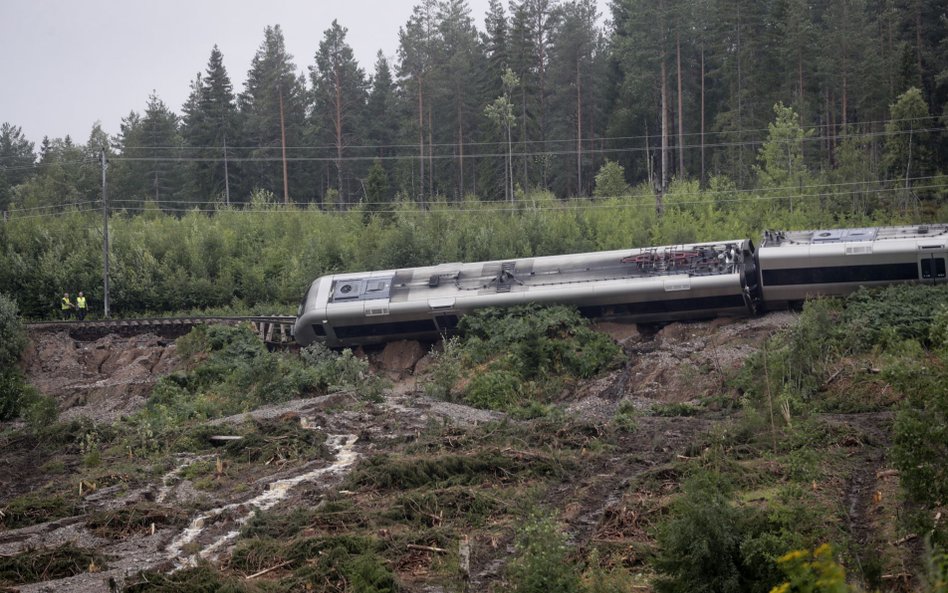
646, 285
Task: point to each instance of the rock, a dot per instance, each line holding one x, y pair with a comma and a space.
400, 357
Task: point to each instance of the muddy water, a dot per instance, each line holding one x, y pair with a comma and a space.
276, 491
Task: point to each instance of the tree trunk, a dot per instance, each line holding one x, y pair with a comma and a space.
681, 111
338, 129
664, 149
421, 143
431, 191
457, 94
703, 178
579, 132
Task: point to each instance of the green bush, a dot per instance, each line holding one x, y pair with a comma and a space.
920, 432
542, 564
494, 390
12, 387
518, 359
12, 332
709, 545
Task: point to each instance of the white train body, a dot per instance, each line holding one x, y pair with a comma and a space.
797, 265
645, 285
651, 284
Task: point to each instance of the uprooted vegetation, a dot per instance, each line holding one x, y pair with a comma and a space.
819, 451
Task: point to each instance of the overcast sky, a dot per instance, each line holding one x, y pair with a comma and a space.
68, 63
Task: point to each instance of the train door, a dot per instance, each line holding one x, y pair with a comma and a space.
932, 267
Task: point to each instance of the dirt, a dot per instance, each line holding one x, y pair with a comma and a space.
109, 377
101, 379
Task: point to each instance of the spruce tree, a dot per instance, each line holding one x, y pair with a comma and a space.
210, 130
340, 92
273, 88
16, 156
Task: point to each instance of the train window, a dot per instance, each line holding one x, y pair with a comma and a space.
836, 274
385, 329
933, 268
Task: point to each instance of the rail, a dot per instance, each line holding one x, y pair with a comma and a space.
272, 329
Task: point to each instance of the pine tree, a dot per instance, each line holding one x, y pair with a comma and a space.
460, 66
209, 127
273, 106
148, 167
415, 42
573, 103
16, 156
340, 93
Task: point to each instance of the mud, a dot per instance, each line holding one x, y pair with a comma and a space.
108, 377
100, 379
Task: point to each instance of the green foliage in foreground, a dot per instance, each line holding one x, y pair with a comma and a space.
241, 259
709, 544
903, 331
17, 397
896, 321
232, 372
541, 564
516, 359
12, 332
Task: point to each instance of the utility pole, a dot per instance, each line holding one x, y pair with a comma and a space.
286, 184
105, 240
226, 176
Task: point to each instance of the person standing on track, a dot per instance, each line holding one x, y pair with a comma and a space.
66, 306
81, 306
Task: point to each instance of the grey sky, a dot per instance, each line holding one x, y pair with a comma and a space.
68, 63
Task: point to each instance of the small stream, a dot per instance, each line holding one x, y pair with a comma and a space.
344, 446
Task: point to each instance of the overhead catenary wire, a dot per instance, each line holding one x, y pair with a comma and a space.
523, 206
522, 142
549, 141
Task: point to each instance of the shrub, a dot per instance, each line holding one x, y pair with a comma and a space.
11, 393
542, 564
700, 544
920, 432
12, 333
812, 572
494, 390
446, 370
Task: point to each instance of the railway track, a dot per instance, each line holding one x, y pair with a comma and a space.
272, 329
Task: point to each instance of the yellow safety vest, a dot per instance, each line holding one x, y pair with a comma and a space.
66, 304
81, 302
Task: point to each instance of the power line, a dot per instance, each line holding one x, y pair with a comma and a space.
547, 141
518, 154
521, 206
824, 188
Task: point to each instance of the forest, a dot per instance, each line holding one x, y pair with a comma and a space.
540, 98
555, 128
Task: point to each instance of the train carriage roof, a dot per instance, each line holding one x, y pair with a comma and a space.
828, 236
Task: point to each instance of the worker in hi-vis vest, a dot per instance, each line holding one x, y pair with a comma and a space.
81, 306
67, 306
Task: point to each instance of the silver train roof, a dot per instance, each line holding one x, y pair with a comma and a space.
821, 237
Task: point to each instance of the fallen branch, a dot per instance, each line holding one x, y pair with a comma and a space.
266, 570
833, 377
886, 473
427, 548
907, 538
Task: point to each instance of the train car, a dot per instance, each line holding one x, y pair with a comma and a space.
642, 285
796, 265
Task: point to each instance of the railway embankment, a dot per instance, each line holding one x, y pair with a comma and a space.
211, 461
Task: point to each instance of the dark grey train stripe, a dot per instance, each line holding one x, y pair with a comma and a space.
417, 326
871, 273
709, 304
